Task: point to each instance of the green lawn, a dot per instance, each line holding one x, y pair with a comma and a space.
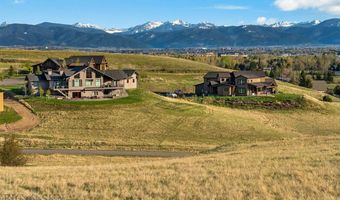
9, 116
47, 104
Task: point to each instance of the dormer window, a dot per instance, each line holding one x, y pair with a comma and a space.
88, 74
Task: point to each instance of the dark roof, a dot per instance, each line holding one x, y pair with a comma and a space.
211, 75
129, 72
74, 70
34, 78
116, 75
54, 75
57, 61
250, 74
84, 60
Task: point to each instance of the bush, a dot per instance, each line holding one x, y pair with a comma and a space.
327, 98
337, 90
11, 154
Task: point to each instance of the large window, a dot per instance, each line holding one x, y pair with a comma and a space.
242, 82
98, 82
89, 83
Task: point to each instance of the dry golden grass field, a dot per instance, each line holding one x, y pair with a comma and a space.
240, 153
303, 168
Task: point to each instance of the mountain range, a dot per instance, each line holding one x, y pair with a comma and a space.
175, 34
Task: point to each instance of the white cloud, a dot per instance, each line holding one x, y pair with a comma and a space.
328, 6
265, 21
230, 7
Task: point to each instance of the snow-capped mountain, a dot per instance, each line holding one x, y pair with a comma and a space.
284, 24
205, 25
80, 25
3, 24
287, 24
115, 30
144, 27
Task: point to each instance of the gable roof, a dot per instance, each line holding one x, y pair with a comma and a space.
116, 75
129, 72
76, 70
84, 60
250, 74
57, 61
211, 75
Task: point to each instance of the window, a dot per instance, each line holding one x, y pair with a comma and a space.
98, 75
95, 93
241, 90
114, 83
76, 83
88, 74
133, 80
127, 81
242, 81
98, 82
89, 83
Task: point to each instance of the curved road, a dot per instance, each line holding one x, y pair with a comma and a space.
162, 154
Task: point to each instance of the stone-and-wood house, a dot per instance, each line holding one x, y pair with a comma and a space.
83, 81
242, 83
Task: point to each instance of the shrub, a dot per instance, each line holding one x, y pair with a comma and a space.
337, 90
11, 154
327, 98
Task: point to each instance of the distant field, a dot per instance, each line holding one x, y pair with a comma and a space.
138, 61
305, 168
157, 73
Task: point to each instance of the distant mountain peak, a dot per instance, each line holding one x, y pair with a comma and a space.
284, 24
81, 25
3, 24
179, 22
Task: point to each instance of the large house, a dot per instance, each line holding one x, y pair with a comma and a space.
241, 83
80, 79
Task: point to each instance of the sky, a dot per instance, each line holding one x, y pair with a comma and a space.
128, 13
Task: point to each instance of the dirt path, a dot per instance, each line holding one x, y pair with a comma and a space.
28, 121
108, 153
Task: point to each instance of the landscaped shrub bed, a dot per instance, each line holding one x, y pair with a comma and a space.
278, 101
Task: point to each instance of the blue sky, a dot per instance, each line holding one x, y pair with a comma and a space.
127, 13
